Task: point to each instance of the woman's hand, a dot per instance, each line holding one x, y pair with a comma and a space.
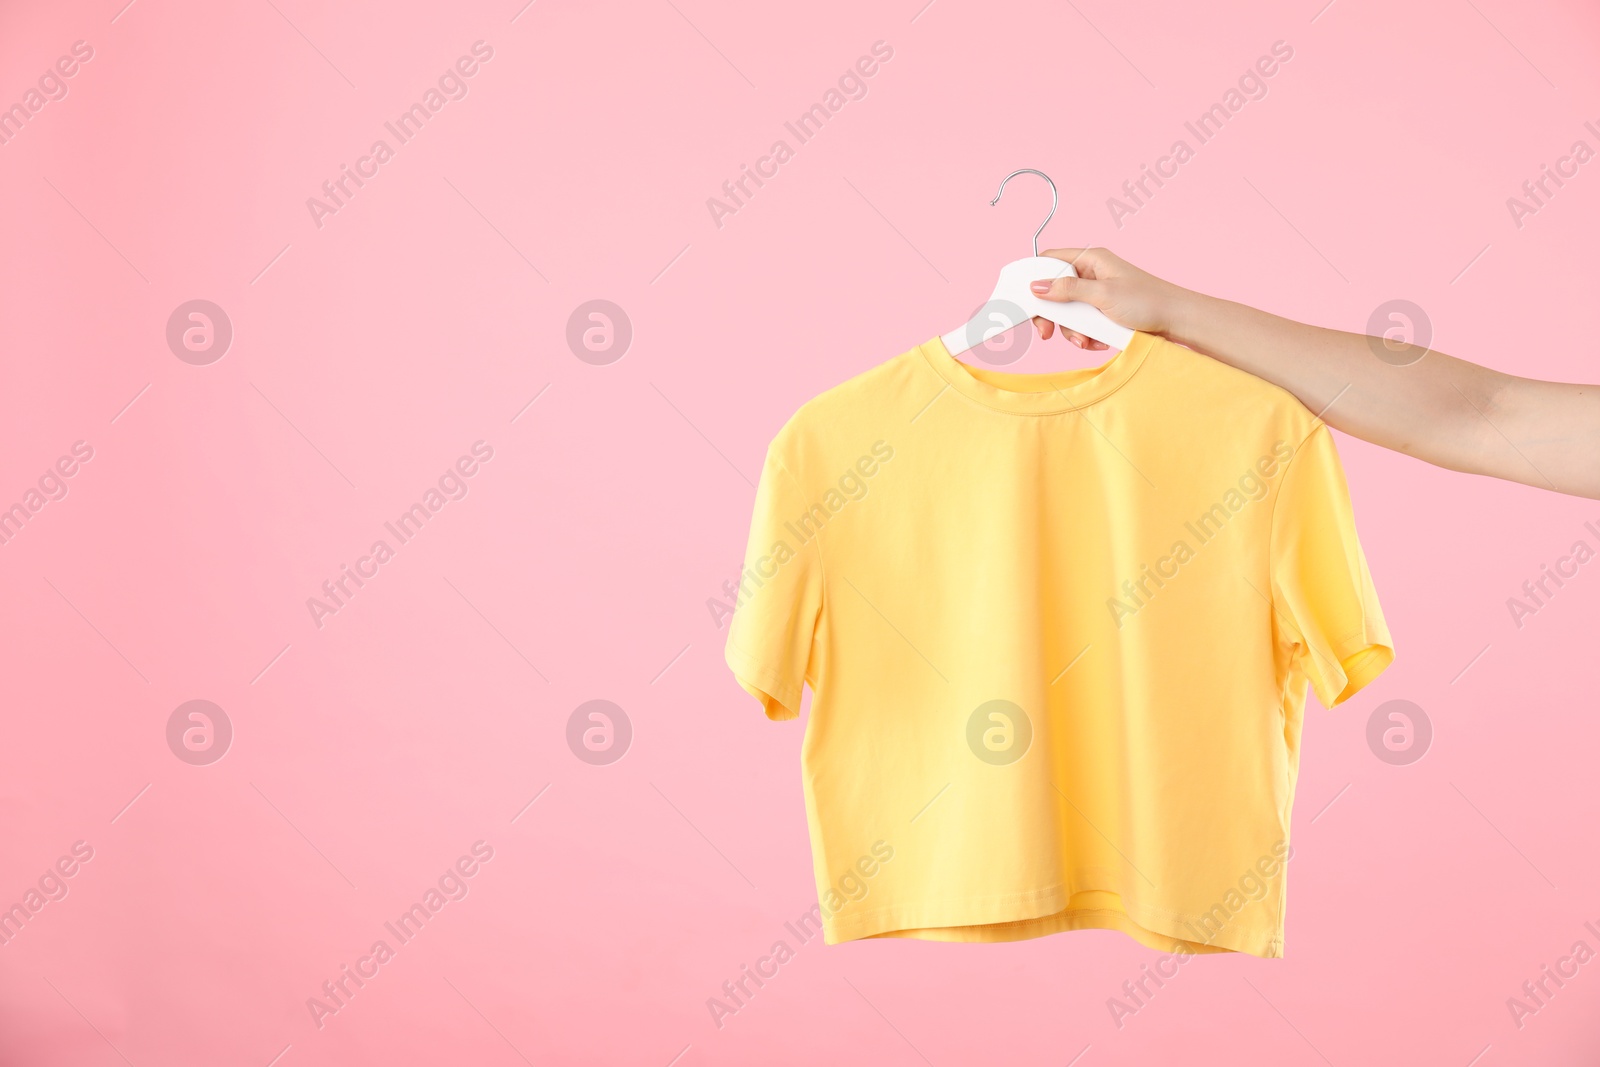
1447, 411
1127, 295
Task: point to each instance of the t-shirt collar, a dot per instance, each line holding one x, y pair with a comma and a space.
1038, 394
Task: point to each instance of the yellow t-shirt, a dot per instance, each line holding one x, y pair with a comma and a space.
1058, 630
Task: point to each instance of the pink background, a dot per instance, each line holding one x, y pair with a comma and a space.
368, 354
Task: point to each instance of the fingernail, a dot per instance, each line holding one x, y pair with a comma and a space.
1040, 287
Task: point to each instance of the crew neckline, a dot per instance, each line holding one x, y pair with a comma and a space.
1038, 394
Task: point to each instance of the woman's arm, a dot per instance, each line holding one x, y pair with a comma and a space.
1423, 403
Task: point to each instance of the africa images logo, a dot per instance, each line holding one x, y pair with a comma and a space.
451, 85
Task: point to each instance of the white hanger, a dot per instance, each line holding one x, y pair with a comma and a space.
1014, 304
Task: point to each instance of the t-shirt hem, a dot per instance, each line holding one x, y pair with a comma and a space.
1038, 913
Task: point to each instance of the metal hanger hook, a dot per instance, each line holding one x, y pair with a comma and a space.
1054, 200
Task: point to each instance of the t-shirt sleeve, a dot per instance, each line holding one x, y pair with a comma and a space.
771, 641
1323, 601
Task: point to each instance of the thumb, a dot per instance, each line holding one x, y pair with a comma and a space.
1088, 290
